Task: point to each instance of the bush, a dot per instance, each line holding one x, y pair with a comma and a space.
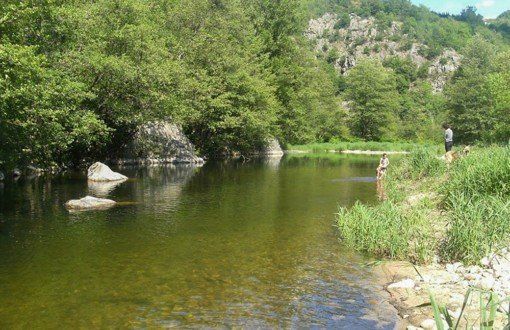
343, 21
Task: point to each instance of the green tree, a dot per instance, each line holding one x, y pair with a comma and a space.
371, 89
469, 99
40, 117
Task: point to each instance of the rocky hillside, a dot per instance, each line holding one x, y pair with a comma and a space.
342, 40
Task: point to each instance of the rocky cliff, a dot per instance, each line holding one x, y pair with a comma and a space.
343, 42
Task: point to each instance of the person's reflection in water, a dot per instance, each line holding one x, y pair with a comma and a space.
381, 193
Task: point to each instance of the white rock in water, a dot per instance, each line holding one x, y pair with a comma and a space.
100, 172
404, 284
89, 203
428, 324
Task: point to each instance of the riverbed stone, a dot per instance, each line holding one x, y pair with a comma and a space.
89, 203
428, 324
102, 173
404, 284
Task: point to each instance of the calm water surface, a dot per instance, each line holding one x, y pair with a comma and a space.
226, 245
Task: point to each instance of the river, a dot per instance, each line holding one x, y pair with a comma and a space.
230, 244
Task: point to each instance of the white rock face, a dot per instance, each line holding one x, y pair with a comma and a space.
404, 284
89, 203
273, 148
364, 38
101, 172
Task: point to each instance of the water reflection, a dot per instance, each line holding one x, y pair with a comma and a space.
226, 245
103, 189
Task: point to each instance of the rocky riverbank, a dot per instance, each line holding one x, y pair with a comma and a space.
410, 287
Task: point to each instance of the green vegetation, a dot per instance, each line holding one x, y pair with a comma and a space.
78, 77
488, 307
460, 212
359, 145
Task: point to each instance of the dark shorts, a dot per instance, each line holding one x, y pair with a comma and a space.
448, 146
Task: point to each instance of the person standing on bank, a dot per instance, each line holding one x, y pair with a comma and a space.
448, 137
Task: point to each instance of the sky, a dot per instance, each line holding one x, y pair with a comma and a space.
488, 8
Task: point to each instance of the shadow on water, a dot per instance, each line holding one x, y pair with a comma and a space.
230, 244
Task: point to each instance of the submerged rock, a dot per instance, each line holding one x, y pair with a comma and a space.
101, 172
160, 143
89, 203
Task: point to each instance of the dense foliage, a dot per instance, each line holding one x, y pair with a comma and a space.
77, 77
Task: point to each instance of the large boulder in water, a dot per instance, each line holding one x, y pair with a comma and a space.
272, 148
89, 203
160, 143
100, 172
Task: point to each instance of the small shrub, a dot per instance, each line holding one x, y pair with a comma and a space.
343, 21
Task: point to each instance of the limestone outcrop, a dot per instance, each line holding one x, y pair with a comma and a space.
363, 37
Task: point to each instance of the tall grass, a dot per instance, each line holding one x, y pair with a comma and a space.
477, 201
487, 310
485, 172
387, 230
477, 227
360, 145
474, 209
421, 163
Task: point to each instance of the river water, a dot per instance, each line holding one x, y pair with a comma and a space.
226, 245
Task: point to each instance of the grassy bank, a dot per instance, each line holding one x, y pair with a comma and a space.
459, 212
360, 145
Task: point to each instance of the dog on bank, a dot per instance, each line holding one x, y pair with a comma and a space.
452, 156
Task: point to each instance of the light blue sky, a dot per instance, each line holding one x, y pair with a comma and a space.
488, 8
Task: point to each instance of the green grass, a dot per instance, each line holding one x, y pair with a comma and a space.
487, 311
469, 218
387, 230
476, 197
360, 145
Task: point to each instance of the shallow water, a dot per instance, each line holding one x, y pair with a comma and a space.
229, 244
